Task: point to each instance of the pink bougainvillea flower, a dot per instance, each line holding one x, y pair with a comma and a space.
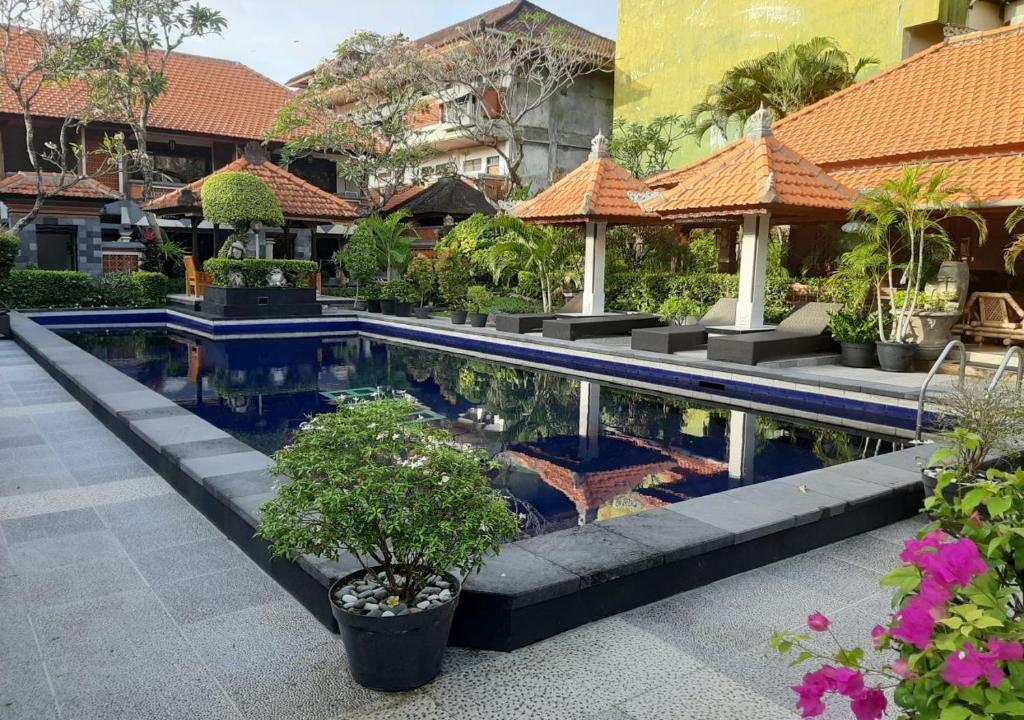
914, 549
965, 668
915, 624
869, 704
934, 594
1005, 651
811, 690
848, 682
957, 563
902, 668
818, 622
877, 635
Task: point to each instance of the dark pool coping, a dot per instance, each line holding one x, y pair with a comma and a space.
536, 587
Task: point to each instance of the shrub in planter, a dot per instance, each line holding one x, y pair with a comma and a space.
404, 295
373, 295
513, 305
409, 504
856, 332
132, 289
50, 289
422, 276
478, 300
255, 272
242, 200
679, 311
359, 258
9, 249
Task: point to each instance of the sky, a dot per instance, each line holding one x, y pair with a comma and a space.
282, 38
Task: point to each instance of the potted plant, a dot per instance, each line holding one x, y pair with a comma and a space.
422, 275
856, 333
405, 295
931, 326
900, 231
388, 297
453, 280
359, 258
9, 249
410, 505
478, 299
372, 295
679, 311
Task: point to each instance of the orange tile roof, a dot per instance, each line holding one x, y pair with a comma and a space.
24, 184
299, 199
753, 174
205, 96
598, 190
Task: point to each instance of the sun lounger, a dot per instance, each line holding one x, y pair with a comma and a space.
574, 328
675, 338
521, 322
803, 332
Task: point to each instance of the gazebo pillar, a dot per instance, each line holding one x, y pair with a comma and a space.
593, 269
753, 268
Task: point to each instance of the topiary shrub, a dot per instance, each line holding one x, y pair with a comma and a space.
132, 289
9, 249
297, 273
239, 199
50, 289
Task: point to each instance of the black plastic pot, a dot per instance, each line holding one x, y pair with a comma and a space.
478, 319
895, 357
422, 312
857, 355
395, 653
5, 324
387, 307
403, 309
458, 317
373, 306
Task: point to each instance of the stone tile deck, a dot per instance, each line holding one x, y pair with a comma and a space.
119, 600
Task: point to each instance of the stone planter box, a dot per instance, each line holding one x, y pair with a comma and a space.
260, 302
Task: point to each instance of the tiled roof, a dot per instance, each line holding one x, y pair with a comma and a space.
24, 183
598, 190
752, 174
299, 199
445, 196
400, 197
205, 96
963, 93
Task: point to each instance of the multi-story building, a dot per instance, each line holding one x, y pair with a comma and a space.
669, 51
557, 135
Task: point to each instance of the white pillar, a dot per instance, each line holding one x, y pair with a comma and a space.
590, 419
742, 447
593, 269
753, 265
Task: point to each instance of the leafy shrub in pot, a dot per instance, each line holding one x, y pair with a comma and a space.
9, 249
856, 332
679, 311
256, 272
478, 300
373, 294
410, 505
453, 281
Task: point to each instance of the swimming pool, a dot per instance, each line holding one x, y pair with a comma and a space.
571, 451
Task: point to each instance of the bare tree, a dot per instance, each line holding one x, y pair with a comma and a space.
491, 80
362, 106
47, 48
140, 37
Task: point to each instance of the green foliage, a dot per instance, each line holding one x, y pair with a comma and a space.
644, 149
472, 238
399, 291
399, 495
513, 305
9, 249
374, 291
453, 277
132, 289
478, 299
552, 253
703, 252
50, 288
853, 326
297, 273
390, 237
422, 275
359, 258
240, 199
994, 419
677, 309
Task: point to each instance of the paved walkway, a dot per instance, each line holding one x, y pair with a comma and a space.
118, 600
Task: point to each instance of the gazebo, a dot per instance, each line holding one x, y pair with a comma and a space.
757, 180
302, 203
597, 194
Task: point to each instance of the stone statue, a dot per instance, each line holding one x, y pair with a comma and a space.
276, 278
236, 279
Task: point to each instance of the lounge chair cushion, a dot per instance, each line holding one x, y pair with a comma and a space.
669, 339
764, 346
521, 322
598, 325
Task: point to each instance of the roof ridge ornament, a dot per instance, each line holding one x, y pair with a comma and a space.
599, 147
759, 125
643, 197
255, 153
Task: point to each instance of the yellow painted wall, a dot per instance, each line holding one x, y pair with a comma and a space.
669, 51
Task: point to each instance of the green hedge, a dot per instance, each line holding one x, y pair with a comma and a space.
297, 273
69, 289
240, 198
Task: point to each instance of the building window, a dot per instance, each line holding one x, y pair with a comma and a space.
459, 110
178, 163
494, 165
473, 165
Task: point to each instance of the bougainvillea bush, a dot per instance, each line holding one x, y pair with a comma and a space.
953, 649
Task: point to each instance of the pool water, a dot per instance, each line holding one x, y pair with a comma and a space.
571, 451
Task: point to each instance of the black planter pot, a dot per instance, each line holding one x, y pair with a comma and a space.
857, 355
396, 653
387, 307
895, 357
458, 317
478, 319
422, 312
373, 306
5, 324
403, 309
232, 302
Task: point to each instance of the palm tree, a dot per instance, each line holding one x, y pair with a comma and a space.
1015, 248
391, 237
540, 249
901, 231
783, 82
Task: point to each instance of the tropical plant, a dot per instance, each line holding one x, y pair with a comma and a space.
644, 149
1016, 247
359, 258
900, 232
453, 278
783, 82
541, 249
853, 326
423, 277
400, 497
677, 309
472, 238
478, 299
391, 237
242, 200
10, 246
993, 417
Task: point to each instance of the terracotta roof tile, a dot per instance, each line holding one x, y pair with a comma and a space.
24, 184
204, 96
299, 199
749, 175
597, 190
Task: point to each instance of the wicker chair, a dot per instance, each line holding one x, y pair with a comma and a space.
196, 281
994, 316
